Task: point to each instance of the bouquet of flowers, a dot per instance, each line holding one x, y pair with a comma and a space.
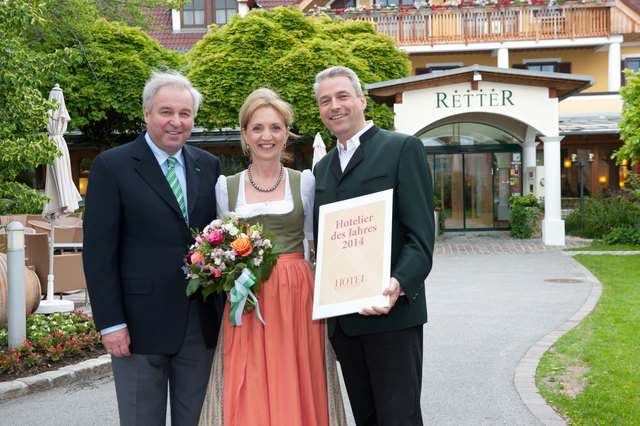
232, 256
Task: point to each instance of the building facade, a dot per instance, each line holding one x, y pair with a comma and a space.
479, 147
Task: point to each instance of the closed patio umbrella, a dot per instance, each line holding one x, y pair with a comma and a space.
60, 188
319, 149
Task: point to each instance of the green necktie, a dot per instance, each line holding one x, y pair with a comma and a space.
174, 183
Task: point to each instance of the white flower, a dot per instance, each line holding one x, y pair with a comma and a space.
231, 229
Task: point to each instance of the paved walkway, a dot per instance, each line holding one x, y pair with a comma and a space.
491, 317
491, 242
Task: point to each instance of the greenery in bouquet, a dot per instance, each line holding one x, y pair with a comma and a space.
223, 250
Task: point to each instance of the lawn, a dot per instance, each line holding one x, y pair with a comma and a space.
591, 375
598, 246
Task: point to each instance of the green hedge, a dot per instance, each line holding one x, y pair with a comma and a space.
525, 210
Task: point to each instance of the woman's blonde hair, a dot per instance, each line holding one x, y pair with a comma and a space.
259, 98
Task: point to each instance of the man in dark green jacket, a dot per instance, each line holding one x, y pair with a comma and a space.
379, 348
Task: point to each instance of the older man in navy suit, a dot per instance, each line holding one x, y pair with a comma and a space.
142, 199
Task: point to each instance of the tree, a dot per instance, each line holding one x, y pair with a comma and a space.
284, 50
105, 61
63, 41
23, 112
104, 79
630, 123
63, 22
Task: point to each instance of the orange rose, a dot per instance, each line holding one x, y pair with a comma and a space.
242, 246
196, 258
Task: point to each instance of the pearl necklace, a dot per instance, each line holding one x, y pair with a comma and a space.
263, 189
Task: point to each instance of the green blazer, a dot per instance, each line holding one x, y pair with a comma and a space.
387, 160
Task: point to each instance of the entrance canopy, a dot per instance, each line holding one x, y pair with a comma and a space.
424, 99
522, 103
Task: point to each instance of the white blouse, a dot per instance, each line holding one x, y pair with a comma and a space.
307, 188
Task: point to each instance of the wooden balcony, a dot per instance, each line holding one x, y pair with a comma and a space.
491, 24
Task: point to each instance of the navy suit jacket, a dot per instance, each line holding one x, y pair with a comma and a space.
387, 160
135, 239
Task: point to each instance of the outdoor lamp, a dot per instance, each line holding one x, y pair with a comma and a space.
477, 76
15, 236
574, 158
567, 164
603, 179
82, 183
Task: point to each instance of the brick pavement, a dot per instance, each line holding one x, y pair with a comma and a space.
491, 242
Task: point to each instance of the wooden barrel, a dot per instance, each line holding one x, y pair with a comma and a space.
32, 291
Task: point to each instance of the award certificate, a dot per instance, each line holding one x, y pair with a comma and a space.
353, 258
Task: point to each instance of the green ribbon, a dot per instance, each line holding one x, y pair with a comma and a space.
238, 297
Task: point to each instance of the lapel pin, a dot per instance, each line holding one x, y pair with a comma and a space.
197, 169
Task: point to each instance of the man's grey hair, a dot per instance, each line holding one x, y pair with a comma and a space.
338, 71
173, 79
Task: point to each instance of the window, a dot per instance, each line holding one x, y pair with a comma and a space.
551, 67
563, 67
341, 4
193, 14
632, 64
225, 9
393, 2
435, 68
201, 13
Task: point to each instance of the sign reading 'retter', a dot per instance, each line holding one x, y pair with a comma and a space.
353, 260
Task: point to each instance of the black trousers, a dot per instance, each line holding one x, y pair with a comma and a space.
383, 375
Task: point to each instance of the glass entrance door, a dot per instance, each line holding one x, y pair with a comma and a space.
474, 189
478, 191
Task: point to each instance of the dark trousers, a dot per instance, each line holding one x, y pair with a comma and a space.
383, 375
141, 381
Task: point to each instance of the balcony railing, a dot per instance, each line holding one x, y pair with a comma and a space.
490, 24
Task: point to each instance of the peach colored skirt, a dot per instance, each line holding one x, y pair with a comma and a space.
274, 374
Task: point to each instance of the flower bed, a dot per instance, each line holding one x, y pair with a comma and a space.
431, 5
52, 342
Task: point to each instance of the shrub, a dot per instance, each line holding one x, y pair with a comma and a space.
623, 235
528, 200
525, 211
600, 216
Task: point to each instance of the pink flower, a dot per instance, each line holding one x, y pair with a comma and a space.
216, 224
198, 239
215, 237
217, 273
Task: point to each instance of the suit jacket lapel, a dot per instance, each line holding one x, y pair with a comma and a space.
356, 158
149, 169
335, 164
193, 177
